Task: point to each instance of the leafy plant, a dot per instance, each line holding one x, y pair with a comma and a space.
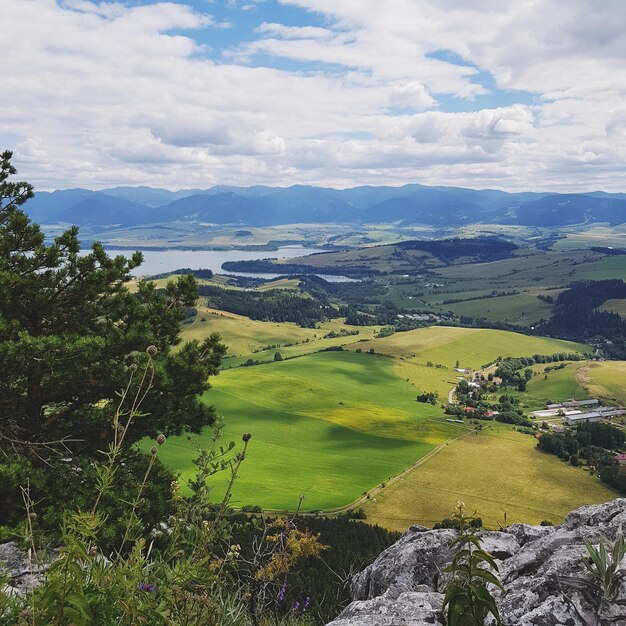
602, 587
467, 598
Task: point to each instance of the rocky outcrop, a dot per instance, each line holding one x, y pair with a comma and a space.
21, 572
403, 587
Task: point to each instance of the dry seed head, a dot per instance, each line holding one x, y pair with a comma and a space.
161, 439
153, 450
151, 350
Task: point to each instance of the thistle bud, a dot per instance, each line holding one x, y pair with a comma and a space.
133, 367
153, 450
161, 439
246, 437
151, 350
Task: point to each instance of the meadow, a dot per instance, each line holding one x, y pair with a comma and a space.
333, 425
498, 473
471, 347
328, 426
247, 338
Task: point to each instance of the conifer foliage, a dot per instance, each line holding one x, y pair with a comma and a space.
70, 334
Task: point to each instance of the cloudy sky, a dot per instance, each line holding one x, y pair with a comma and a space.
190, 93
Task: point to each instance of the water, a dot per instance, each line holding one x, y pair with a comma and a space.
162, 261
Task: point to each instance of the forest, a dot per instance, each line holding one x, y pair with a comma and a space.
575, 316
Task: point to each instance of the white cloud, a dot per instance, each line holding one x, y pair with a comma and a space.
100, 93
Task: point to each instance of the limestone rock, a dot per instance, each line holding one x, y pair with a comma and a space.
414, 560
22, 573
402, 587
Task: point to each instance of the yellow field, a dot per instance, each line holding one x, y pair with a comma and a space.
615, 306
497, 472
246, 338
472, 347
605, 379
242, 335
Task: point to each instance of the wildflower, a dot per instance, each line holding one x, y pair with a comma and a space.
133, 367
246, 437
306, 603
151, 350
296, 605
150, 588
153, 450
161, 439
281, 593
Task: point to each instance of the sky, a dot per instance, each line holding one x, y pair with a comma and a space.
524, 95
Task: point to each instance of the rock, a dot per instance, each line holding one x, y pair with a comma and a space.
500, 545
22, 573
409, 608
414, 560
399, 588
525, 533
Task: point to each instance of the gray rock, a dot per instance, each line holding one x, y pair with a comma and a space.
414, 560
501, 546
525, 533
23, 574
409, 608
534, 565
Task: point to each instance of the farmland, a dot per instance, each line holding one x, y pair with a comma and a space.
328, 425
332, 425
472, 347
496, 472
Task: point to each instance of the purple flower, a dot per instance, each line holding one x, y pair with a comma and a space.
296, 605
150, 588
306, 603
281, 593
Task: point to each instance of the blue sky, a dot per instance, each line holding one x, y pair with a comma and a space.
192, 93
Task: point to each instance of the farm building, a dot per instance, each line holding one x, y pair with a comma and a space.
572, 420
601, 412
569, 404
554, 413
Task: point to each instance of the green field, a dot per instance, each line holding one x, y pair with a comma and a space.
523, 309
606, 379
471, 347
559, 385
499, 471
332, 425
329, 425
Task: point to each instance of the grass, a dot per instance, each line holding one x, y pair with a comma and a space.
605, 379
559, 385
615, 306
523, 308
493, 473
242, 335
329, 425
472, 347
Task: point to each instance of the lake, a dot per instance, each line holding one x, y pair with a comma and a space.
161, 261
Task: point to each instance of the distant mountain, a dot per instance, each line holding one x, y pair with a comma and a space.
569, 209
265, 206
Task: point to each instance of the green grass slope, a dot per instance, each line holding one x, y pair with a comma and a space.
328, 425
472, 347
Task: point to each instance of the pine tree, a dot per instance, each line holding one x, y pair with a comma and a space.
71, 333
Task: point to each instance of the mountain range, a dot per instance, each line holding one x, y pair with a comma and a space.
268, 206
